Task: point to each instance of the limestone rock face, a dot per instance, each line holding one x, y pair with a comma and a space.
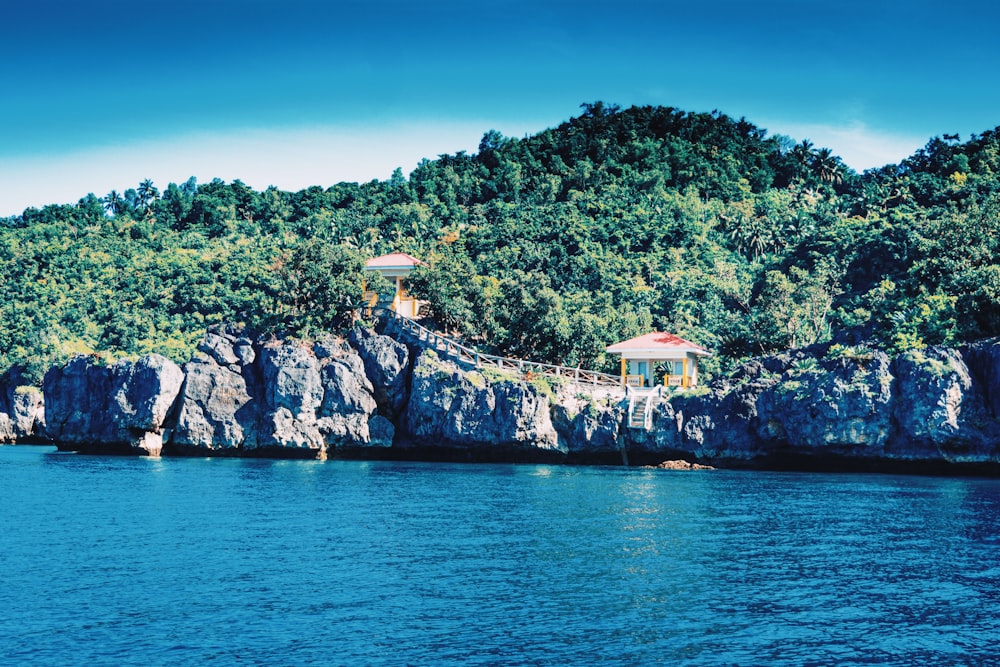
434, 386
842, 407
217, 412
220, 347
715, 425
144, 392
279, 399
505, 413
941, 410
587, 430
983, 361
387, 365
291, 399
22, 411
292, 392
76, 397
449, 408
122, 407
346, 416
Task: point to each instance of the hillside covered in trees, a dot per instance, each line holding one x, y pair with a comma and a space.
550, 247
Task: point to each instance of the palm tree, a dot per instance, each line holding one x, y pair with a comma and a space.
828, 167
803, 153
147, 193
113, 202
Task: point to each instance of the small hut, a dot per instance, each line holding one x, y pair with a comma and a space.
659, 358
395, 267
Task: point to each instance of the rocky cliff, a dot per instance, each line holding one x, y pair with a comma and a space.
276, 398
374, 396
466, 413
121, 407
856, 409
22, 410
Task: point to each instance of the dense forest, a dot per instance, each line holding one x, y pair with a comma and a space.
548, 247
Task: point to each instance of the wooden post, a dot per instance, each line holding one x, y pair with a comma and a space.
624, 369
684, 373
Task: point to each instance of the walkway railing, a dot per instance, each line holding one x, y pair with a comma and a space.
475, 359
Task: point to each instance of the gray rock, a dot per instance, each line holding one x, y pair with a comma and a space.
507, 413
144, 392
387, 365
119, 408
716, 425
22, 410
434, 386
448, 407
292, 392
284, 399
217, 412
317, 401
588, 430
346, 389
219, 348
244, 351
940, 411
842, 408
983, 361
291, 380
381, 430
76, 403
331, 347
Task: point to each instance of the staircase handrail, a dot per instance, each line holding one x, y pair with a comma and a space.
647, 415
477, 359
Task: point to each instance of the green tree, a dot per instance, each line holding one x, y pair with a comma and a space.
315, 288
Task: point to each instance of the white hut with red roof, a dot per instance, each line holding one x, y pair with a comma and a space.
395, 267
659, 357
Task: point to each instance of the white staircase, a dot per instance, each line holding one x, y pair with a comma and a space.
640, 408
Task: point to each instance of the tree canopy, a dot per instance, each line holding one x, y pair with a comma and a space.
550, 246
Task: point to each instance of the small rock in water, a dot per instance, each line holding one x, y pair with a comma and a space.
679, 465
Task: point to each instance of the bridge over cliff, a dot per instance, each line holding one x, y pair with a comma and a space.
400, 326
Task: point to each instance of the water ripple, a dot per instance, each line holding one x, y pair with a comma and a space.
121, 561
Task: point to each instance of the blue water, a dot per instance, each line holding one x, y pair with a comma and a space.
133, 561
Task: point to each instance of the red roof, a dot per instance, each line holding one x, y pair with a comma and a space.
657, 342
393, 260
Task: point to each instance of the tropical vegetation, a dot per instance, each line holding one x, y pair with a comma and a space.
549, 247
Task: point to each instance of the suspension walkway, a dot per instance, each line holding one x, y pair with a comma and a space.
472, 358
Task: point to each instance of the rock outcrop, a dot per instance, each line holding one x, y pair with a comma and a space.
943, 412
839, 407
859, 410
372, 396
387, 365
121, 407
217, 414
22, 410
287, 399
589, 432
481, 418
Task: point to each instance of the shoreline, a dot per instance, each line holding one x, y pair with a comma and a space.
374, 397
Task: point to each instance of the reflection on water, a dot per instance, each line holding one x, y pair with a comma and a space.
117, 560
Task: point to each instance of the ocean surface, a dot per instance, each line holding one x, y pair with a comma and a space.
137, 561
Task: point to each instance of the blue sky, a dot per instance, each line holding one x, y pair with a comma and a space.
99, 95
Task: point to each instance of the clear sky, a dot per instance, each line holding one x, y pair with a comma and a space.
101, 94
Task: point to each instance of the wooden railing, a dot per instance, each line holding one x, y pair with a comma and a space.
473, 358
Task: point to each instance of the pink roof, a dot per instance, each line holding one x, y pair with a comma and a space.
393, 260
657, 342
